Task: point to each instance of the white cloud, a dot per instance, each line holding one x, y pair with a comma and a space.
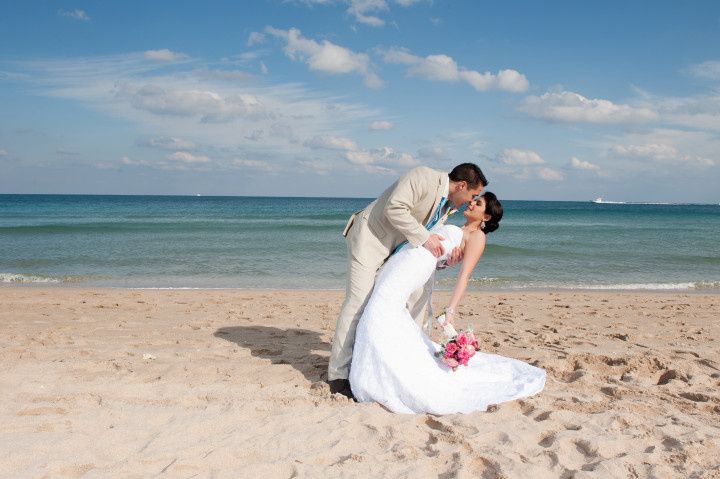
433, 153
164, 55
76, 14
225, 118
326, 57
331, 143
571, 107
666, 146
210, 106
364, 11
315, 166
701, 111
384, 157
381, 125
246, 57
224, 75
360, 10
168, 143
263, 68
257, 165
516, 157
550, 174
709, 70
65, 152
130, 162
444, 68
582, 165
525, 164
178, 161
255, 38
659, 152
378, 160
187, 157
653, 151
3, 152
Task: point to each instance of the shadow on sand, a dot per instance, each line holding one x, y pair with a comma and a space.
300, 348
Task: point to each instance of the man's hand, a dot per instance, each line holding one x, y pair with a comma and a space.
434, 246
455, 256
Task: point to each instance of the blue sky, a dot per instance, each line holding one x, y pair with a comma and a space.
554, 100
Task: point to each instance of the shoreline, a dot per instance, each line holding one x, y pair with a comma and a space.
231, 383
488, 290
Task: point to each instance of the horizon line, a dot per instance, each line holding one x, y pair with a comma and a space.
197, 195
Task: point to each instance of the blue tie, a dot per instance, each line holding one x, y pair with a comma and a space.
433, 221
438, 213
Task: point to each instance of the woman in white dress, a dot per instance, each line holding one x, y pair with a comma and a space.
394, 361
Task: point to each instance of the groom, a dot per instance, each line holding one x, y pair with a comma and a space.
405, 212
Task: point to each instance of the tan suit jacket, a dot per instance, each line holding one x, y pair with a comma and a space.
398, 214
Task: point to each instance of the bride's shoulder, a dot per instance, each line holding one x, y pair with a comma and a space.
477, 237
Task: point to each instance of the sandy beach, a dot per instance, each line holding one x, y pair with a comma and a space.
230, 383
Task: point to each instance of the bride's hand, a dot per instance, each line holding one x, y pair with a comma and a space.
455, 256
450, 316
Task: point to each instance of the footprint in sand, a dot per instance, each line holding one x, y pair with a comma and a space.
436, 425
547, 439
669, 375
575, 375
671, 443
695, 397
586, 448
544, 416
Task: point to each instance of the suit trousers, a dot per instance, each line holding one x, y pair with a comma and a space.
358, 288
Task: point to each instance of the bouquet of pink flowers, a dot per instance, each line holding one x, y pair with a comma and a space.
458, 350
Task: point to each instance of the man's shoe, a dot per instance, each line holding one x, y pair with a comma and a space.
341, 386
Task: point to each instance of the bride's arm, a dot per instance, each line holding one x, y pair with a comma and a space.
474, 248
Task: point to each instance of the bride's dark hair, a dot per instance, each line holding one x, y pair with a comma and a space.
494, 209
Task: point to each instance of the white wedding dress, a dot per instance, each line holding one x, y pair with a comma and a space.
393, 359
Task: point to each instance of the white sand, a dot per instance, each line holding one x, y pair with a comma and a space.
123, 383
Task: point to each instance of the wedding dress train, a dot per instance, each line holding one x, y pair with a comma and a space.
393, 359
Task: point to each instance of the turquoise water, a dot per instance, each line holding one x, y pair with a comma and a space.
252, 242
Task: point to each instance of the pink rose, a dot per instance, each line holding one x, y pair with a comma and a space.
475, 345
470, 350
462, 355
451, 347
462, 340
451, 362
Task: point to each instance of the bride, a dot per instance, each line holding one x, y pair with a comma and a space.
393, 360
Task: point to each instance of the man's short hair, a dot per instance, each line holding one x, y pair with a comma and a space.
469, 173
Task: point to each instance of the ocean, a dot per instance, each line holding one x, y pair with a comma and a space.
296, 243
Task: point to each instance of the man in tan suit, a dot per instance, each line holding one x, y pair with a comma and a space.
404, 212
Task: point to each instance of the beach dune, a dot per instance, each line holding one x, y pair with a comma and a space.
230, 383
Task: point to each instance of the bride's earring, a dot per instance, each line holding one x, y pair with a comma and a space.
482, 225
